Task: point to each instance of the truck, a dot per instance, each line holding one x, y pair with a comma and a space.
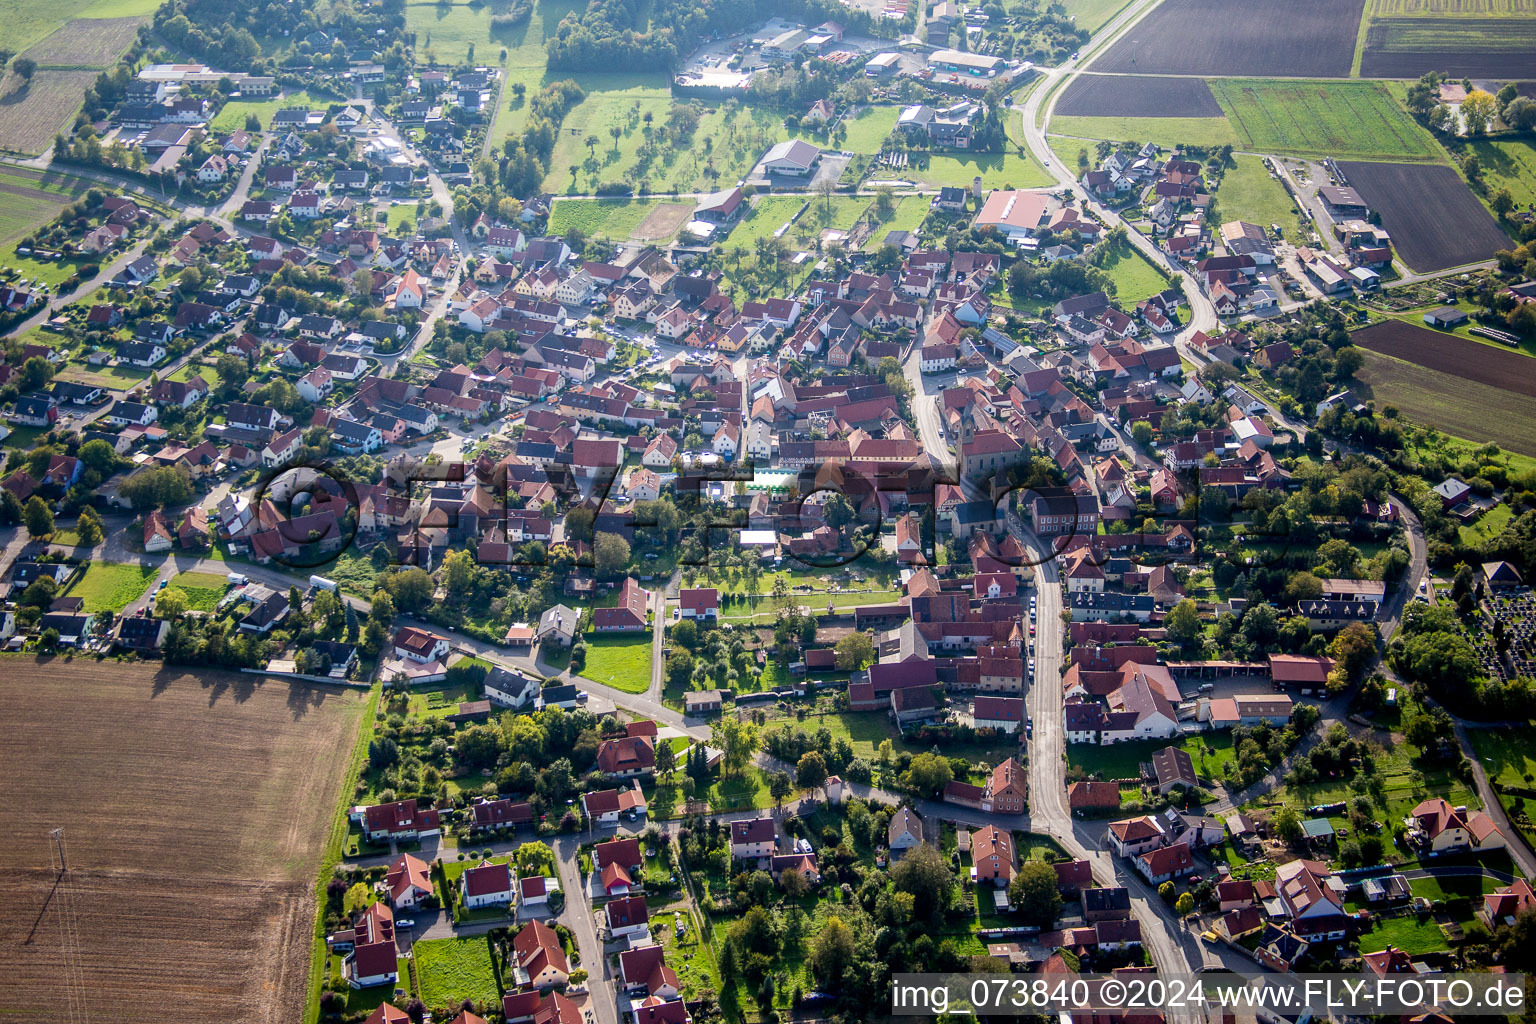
236, 579
321, 583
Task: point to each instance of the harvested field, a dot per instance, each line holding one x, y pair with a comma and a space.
1499, 48
86, 43
31, 114
195, 807
1129, 96
1409, 8
1344, 120
1434, 219
1446, 353
663, 222
1458, 406
1298, 39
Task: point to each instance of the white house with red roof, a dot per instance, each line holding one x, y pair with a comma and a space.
373, 960
399, 820
489, 885
421, 646
533, 891
409, 881
699, 603
645, 970
627, 917
629, 614
753, 839
1445, 827
539, 960
618, 863
606, 806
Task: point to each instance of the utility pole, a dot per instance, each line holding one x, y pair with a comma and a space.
69, 934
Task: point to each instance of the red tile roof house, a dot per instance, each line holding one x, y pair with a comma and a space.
1501, 905
699, 603
1165, 863
1086, 797
645, 970
489, 885
419, 645
629, 615
534, 891
626, 917
373, 960
399, 820
753, 839
627, 757
489, 814
540, 962
991, 856
604, 806
409, 881
618, 862
545, 1008
656, 1010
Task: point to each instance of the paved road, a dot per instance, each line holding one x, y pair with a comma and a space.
1391, 614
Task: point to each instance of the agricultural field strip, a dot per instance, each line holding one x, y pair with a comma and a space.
1491, 48
1435, 221
201, 772
85, 43
1314, 117
1461, 407
1306, 38
1099, 95
1506, 371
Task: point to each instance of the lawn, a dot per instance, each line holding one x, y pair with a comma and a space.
997, 170
910, 213
1210, 753
1507, 755
729, 138
525, 59
1508, 163
449, 971
745, 792
111, 586
436, 703
234, 113
622, 661
1489, 525
1347, 120
1404, 784
1165, 131
1135, 278
1250, 193
1408, 934
203, 589
866, 131
118, 377
614, 219
353, 570
200, 369
1092, 14
866, 731
768, 214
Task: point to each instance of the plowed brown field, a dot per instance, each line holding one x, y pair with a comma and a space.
195, 810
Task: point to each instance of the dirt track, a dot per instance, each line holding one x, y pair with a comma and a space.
195, 810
